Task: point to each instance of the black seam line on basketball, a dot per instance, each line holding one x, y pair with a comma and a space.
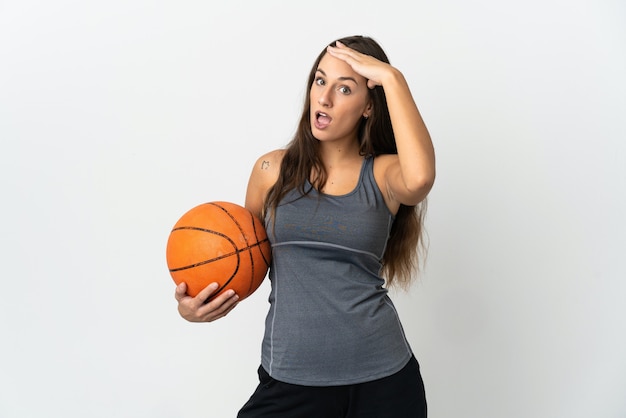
210, 231
241, 231
267, 261
230, 215
240, 250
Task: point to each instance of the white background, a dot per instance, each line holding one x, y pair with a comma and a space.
118, 116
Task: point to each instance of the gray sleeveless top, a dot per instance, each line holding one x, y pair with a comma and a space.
331, 321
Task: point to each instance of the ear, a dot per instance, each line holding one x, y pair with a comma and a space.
368, 110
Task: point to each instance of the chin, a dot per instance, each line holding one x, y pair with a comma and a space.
320, 136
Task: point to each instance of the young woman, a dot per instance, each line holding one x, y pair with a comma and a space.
343, 206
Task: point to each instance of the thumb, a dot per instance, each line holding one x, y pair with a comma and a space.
181, 291
371, 84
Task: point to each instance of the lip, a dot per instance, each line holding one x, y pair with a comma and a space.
316, 120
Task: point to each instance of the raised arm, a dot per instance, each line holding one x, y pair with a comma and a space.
409, 175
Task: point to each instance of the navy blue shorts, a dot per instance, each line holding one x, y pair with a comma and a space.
400, 395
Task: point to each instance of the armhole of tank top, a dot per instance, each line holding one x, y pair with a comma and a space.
372, 179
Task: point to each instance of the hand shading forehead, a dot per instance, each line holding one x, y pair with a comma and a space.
335, 69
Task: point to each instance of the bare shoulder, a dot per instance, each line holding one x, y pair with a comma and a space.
270, 161
264, 174
267, 168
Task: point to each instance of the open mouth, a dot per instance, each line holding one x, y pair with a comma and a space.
322, 120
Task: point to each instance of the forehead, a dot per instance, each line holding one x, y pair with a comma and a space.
335, 68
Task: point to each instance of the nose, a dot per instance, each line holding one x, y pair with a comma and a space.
324, 98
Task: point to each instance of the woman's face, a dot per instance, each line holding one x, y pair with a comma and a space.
339, 98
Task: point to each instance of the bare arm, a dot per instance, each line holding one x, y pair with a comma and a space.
409, 176
410, 179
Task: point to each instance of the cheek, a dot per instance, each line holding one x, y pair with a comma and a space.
353, 114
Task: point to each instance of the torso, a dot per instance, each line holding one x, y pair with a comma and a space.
331, 321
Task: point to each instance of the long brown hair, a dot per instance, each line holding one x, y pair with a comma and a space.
406, 245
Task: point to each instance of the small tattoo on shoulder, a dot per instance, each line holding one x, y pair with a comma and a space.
265, 165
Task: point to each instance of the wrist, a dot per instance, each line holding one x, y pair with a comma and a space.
394, 78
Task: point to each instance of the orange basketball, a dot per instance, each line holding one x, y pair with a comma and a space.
219, 242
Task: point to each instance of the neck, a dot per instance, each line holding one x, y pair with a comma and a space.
337, 153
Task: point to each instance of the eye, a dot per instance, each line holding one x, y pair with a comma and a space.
320, 81
345, 90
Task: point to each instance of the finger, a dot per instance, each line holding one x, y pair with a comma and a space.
225, 312
218, 301
220, 306
344, 53
181, 291
342, 47
371, 84
205, 293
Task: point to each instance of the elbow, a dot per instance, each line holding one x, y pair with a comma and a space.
419, 187
421, 182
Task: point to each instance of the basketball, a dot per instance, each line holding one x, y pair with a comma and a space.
219, 242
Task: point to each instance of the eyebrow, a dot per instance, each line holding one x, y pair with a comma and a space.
319, 70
